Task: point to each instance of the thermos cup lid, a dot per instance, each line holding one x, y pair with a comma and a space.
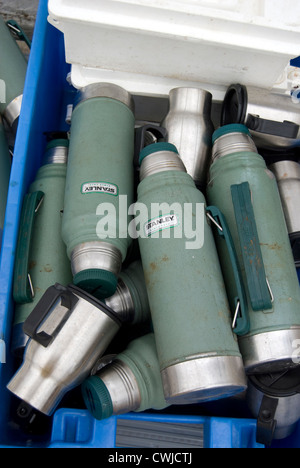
100, 283
231, 128
97, 398
155, 148
234, 105
280, 384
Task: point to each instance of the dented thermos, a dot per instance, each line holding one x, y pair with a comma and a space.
41, 257
100, 172
246, 192
184, 283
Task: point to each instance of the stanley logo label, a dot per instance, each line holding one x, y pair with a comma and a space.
99, 187
158, 224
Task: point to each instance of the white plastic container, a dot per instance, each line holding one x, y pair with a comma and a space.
152, 46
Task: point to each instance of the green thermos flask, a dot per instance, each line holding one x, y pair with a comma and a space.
13, 69
247, 194
41, 257
131, 382
197, 349
100, 181
5, 167
130, 301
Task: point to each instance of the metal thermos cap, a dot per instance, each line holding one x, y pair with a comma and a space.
56, 152
232, 138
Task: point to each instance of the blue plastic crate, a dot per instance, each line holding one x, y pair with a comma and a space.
46, 96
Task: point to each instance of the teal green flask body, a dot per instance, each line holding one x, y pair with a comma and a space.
41, 259
13, 68
99, 180
131, 382
197, 349
246, 193
5, 167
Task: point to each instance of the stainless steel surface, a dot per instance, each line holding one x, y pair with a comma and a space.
287, 174
96, 255
275, 107
159, 162
57, 155
122, 303
49, 372
232, 143
203, 378
108, 90
12, 112
272, 106
287, 413
122, 386
271, 351
189, 127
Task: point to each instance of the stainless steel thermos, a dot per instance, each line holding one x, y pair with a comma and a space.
246, 193
41, 257
13, 69
131, 382
287, 174
198, 352
99, 179
189, 127
69, 330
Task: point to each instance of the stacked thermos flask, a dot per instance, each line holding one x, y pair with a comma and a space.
214, 279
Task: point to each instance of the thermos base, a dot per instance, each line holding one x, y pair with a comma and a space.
272, 351
203, 379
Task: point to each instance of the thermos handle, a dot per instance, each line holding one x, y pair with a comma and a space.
16, 30
258, 287
241, 322
43, 308
22, 287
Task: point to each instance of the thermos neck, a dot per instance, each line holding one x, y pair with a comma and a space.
159, 157
190, 100
122, 303
105, 90
232, 139
56, 153
113, 391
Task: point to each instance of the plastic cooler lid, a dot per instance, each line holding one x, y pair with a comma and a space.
247, 42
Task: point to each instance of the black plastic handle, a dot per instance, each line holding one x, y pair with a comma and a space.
141, 135
42, 310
